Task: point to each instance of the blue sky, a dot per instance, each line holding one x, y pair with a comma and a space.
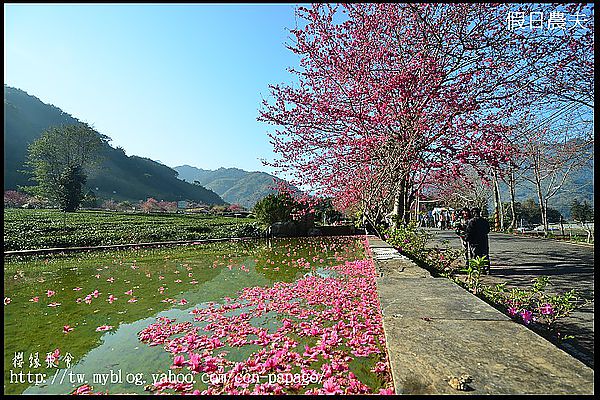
176, 83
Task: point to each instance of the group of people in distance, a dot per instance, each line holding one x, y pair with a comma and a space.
473, 231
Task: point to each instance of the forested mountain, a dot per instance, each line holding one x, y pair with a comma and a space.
232, 184
118, 176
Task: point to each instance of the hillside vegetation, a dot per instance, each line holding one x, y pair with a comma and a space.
232, 184
119, 177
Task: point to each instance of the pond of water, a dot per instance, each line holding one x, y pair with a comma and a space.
289, 315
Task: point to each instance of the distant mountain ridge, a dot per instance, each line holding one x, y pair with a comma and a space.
234, 185
579, 185
119, 176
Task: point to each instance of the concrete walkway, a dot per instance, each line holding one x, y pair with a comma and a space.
435, 329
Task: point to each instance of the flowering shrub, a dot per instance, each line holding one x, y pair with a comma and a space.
408, 239
533, 304
473, 270
13, 198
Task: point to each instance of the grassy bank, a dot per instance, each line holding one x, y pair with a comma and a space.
36, 229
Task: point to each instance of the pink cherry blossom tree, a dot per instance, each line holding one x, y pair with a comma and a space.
385, 94
13, 198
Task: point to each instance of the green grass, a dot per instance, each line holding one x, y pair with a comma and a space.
37, 229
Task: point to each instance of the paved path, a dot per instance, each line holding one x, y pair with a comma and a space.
517, 260
434, 329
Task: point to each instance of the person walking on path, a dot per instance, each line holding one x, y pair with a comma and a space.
443, 220
476, 234
460, 227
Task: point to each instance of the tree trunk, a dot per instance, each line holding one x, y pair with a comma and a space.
562, 228
398, 208
511, 186
408, 202
545, 218
543, 215
417, 206
588, 231
402, 203
542, 206
498, 220
589, 237
500, 205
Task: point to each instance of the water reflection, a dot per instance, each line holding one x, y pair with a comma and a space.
146, 284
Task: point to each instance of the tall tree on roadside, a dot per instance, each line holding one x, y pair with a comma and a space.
552, 155
386, 93
60, 160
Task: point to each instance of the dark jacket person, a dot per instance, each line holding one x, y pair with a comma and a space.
476, 234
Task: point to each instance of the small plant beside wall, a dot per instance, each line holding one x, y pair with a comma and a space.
473, 271
534, 304
408, 239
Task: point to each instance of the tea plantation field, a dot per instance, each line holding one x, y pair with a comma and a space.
37, 229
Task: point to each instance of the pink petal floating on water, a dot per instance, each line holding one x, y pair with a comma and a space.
50, 293
54, 304
77, 288
132, 300
351, 300
35, 299
178, 362
83, 389
103, 328
129, 292
67, 329
7, 301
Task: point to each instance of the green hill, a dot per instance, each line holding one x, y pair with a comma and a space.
232, 184
119, 176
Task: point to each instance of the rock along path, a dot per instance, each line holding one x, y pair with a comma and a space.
435, 329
